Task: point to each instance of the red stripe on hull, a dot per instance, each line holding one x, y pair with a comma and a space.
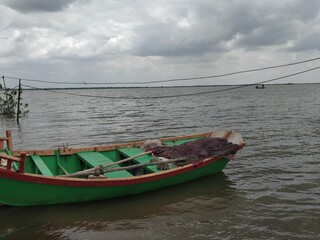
101, 182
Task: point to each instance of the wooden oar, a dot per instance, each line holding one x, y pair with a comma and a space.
189, 158
126, 159
92, 170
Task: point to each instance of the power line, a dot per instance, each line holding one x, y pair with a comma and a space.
180, 95
168, 80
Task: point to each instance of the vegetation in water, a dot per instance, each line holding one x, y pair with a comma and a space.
9, 103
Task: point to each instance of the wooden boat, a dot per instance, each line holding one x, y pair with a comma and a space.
68, 175
260, 86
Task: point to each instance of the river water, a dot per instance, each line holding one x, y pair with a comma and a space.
271, 191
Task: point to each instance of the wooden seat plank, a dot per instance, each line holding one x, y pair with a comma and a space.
43, 168
94, 159
133, 151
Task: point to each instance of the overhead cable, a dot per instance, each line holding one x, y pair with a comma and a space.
167, 80
178, 95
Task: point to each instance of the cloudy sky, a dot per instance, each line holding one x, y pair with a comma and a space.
139, 40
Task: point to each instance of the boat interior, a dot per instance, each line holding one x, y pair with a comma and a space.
68, 160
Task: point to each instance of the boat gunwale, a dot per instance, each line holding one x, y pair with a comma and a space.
91, 182
71, 150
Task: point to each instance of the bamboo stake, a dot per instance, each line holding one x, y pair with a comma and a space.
5, 88
19, 98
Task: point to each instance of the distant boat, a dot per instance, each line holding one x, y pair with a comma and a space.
260, 86
69, 175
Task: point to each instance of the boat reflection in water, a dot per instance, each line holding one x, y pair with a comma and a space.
211, 193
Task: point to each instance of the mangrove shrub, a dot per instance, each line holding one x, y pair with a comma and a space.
9, 103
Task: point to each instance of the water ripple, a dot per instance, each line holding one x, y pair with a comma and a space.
270, 192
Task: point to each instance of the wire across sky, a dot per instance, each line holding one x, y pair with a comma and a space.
165, 80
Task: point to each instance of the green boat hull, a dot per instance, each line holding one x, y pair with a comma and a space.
34, 190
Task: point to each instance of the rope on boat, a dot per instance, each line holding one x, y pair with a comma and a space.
169, 80
178, 95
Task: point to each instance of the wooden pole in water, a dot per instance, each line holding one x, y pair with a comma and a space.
5, 88
19, 96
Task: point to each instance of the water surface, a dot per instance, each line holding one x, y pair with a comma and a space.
271, 191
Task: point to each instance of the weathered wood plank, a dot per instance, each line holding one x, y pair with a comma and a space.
94, 159
41, 166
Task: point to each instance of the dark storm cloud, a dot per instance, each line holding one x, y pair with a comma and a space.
247, 24
193, 31
165, 40
26, 6
275, 25
267, 35
305, 43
